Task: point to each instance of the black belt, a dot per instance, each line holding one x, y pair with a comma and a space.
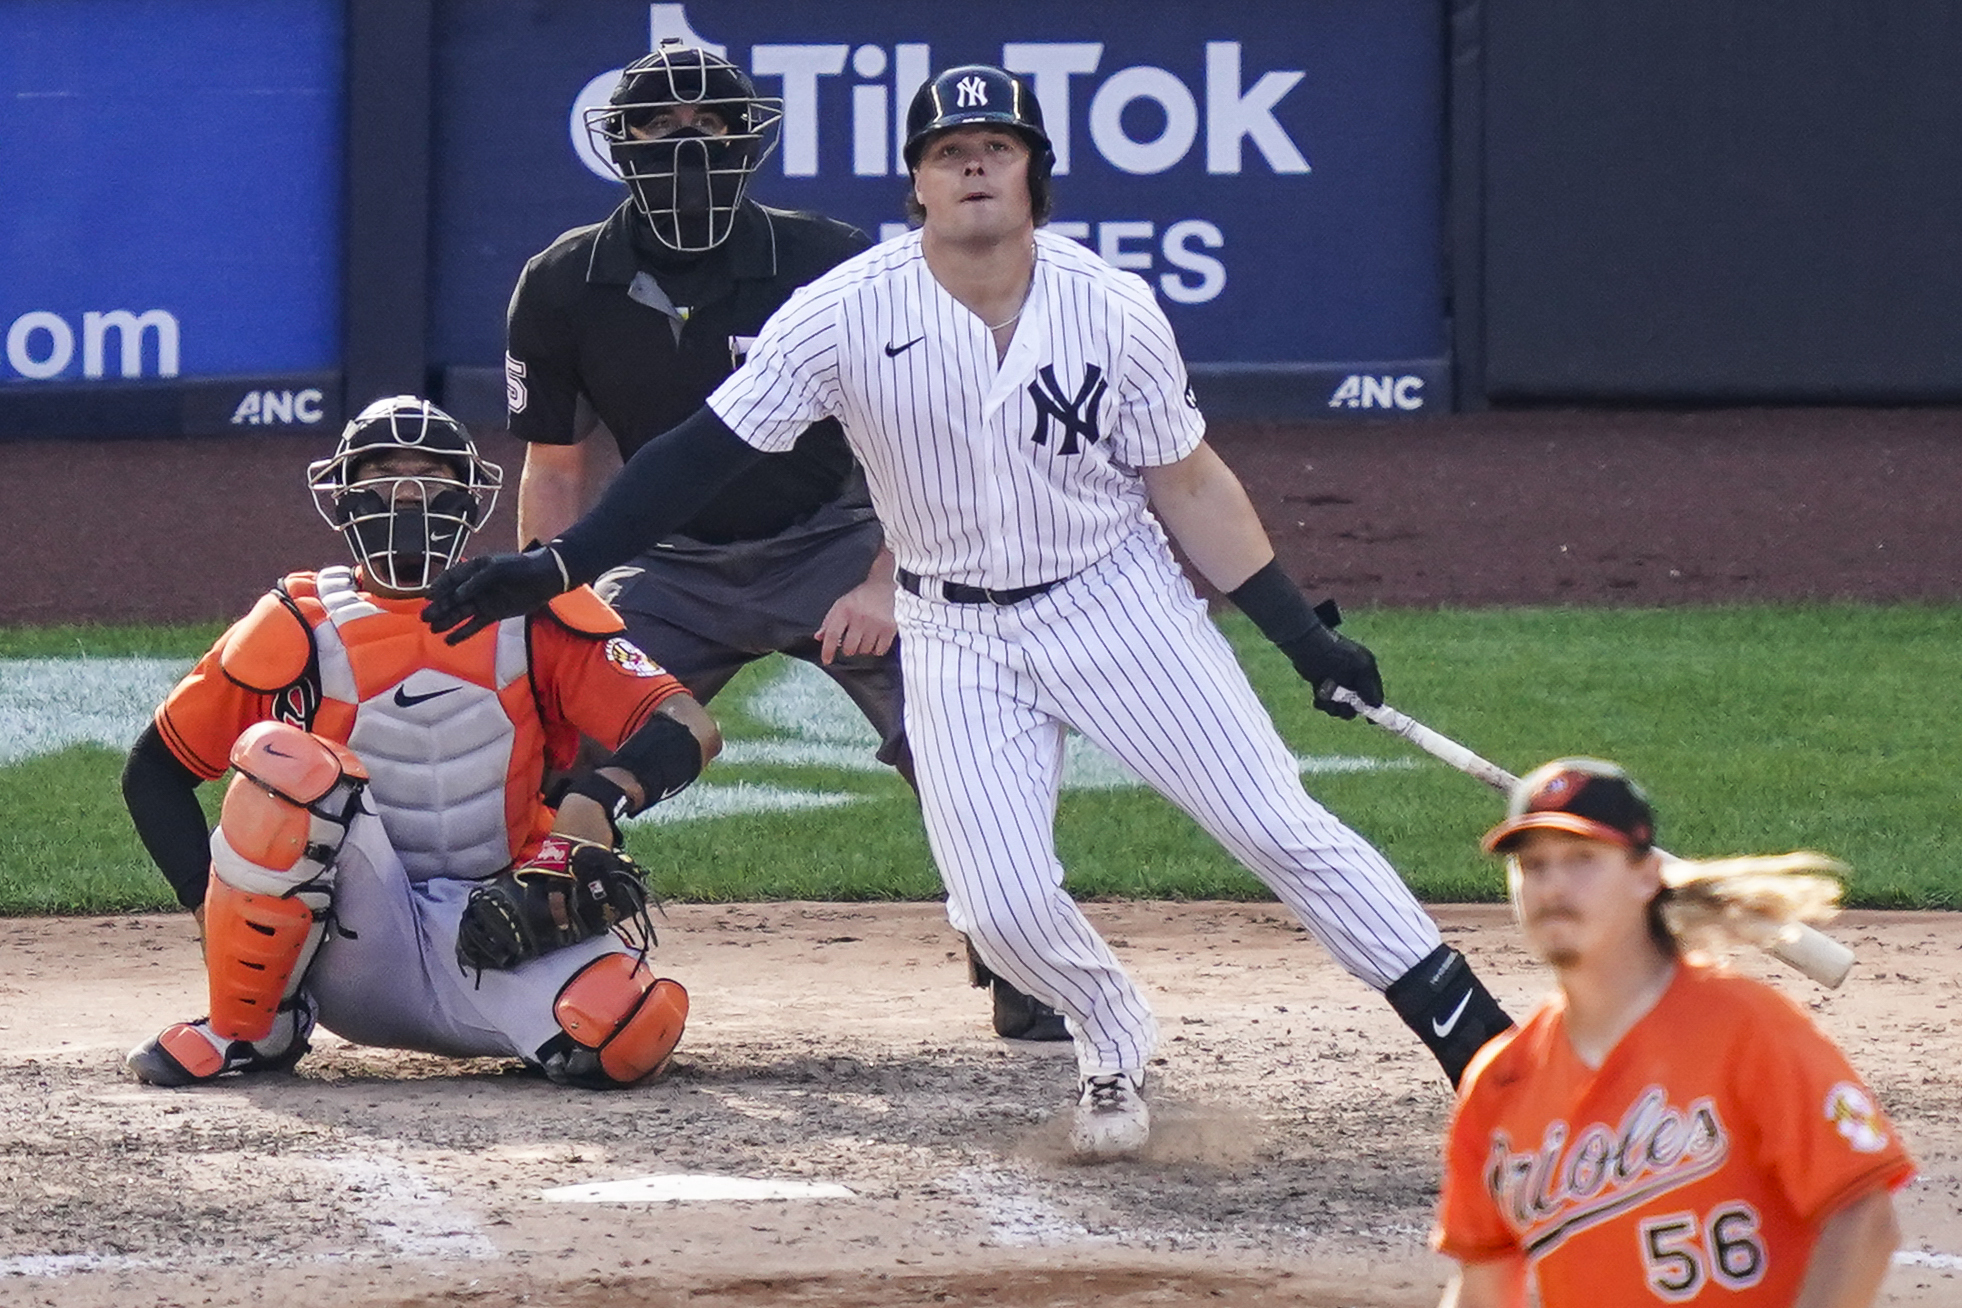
956, 593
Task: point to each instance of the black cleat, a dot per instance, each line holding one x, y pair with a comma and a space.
1024, 1017
190, 1053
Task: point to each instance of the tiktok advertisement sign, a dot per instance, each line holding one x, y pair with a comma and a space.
1272, 172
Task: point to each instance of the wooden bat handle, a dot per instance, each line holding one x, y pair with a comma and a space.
1810, 950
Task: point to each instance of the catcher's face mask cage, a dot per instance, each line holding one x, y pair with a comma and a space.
687, 179
404, 528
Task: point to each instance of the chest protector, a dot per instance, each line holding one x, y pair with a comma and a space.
451, 735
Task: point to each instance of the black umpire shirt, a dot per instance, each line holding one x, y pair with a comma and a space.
645, 335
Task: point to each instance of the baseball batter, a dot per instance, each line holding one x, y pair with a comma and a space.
619, 330
1659, 1131
384, 864
1022, 414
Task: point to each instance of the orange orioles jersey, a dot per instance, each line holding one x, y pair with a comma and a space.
1695, 1166
457, 739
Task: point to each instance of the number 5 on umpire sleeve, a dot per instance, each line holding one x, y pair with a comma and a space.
1678, 1262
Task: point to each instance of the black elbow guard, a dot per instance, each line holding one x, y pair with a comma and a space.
663, 757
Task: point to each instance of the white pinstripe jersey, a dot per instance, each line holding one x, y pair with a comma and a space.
998, 476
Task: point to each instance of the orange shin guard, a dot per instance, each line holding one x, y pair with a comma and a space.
617, 1008
253, 946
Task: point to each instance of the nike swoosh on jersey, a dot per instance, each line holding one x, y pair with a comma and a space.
405, 700
1450, 1024
894, 351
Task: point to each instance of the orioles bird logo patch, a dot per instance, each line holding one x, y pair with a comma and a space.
626, 656
1852, 1112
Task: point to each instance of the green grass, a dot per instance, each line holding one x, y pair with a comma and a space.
1754, 729
107, 642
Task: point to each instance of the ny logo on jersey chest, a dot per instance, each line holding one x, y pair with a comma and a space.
1077, 415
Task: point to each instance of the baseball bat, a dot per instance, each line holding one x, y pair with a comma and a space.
1804, 947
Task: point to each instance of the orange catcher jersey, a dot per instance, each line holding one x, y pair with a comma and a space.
1695, 1166
457, 739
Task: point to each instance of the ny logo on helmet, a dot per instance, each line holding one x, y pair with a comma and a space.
970, 91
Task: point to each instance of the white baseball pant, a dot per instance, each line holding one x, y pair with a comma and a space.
1125, 653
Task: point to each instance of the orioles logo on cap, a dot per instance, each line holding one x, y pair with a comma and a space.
1556, 792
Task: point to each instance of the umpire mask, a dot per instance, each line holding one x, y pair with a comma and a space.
405, 487
685, 130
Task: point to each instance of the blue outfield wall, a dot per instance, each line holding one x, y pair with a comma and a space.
170, 246
1274, 174
177, 254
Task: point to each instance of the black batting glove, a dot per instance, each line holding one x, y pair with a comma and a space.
481, 592
1329, 662
1326, 661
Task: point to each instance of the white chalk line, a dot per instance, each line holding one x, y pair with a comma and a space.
693, 1187
1915, 1258
47, 705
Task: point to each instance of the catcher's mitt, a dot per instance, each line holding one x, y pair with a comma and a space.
571, 891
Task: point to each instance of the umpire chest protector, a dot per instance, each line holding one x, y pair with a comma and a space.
452, 736
593, 319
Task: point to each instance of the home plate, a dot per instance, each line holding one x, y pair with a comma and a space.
685, 1188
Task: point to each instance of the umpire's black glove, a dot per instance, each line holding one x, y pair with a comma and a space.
1326, 661
483, 591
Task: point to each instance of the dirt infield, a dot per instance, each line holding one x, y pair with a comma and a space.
1500, 508
1294, 1160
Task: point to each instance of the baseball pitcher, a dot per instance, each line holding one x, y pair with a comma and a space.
1659, 1131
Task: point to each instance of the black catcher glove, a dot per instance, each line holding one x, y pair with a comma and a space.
482, 591
571, 891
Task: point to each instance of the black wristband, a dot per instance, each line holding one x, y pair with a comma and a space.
609, 795
1276, 605
663, 757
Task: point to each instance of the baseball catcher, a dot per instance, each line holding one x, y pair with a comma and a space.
385, 864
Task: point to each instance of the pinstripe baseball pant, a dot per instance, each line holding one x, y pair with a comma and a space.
1124, 653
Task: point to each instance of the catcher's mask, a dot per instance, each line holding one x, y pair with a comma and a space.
684, 130
404, 528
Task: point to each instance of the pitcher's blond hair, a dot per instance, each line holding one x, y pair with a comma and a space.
1717, 904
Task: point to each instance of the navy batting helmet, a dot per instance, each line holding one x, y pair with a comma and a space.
976, 93
989, 96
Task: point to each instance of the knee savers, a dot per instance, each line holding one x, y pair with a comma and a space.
285, 817
620, 1023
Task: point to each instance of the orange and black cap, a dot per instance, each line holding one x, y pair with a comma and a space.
1581, 796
